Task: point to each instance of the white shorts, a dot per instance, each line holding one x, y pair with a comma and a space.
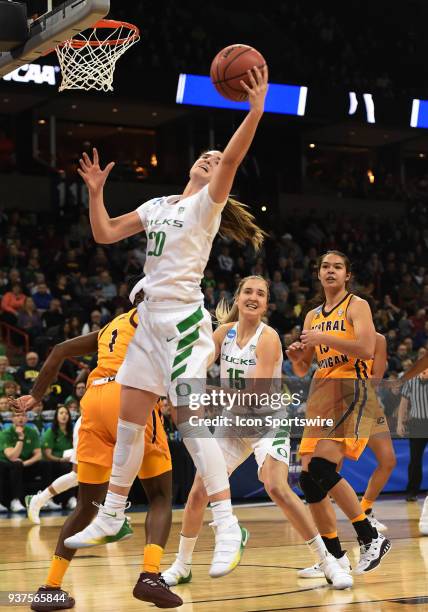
237, 450
72, 452
172, 346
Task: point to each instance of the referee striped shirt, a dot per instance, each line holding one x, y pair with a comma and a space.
416, 391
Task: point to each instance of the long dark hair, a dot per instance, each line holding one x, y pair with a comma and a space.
68, 425
319, 297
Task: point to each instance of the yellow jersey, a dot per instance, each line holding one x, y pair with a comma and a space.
332, 363
113, 340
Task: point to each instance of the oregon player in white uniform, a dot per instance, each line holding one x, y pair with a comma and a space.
251, 353
173, 344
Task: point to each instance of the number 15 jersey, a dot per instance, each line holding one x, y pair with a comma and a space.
113, 340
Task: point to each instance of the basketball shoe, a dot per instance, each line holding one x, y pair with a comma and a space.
107, 527
423, 521
371, 554
178, 573
315, 571
230, 541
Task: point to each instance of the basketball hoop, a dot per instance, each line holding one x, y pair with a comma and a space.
88, 60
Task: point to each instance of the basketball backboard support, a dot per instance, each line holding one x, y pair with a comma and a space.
54, 26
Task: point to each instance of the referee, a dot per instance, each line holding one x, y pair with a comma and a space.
414, 395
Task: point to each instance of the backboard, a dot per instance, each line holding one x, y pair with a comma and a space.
61, 21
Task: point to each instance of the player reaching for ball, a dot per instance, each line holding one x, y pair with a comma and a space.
342, 334
173, 342
245, 340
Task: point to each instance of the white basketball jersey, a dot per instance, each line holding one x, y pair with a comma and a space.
239, 363
180, 233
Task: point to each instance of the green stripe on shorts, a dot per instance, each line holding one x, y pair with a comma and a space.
182, 356
191, 320
189, 339
179, 371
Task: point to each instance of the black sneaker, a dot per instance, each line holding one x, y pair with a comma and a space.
51, 598
411, 497
153, 588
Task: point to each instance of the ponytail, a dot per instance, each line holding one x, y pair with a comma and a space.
238, 224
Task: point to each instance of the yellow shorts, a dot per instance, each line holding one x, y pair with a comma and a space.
352, 448
97, 437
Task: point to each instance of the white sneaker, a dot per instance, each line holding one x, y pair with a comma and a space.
375, 523
423, 520
230, 542
315, 571
34, 505
178, 573
51, 505
371, 554
107, 527
16, 506
3, 508
335, 574
72, 503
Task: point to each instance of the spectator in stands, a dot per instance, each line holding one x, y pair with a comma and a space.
108, 288
95, 318
20, 462
395, 362
62, 290
11, 388
42, 297
29, 319
54, 315
225, 263
4, 374
28, 372
12, 301
78, 393
55, 440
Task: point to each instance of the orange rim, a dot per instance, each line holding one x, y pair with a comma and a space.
106, 24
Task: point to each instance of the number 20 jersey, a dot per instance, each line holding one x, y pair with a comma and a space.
113, 340
179, 233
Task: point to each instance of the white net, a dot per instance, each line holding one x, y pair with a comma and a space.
88, 60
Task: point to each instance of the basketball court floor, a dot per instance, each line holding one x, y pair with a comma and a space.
102, 578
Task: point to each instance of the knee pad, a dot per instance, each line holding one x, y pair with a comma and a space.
324, 473
312, 491
210, 463
128, 453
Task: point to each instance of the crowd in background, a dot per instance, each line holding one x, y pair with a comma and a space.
327, 45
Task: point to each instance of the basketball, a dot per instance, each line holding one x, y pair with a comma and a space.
230, 66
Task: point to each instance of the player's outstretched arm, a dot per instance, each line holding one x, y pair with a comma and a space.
237, 148
105, 229
82, 345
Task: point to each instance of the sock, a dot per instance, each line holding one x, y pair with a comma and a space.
222, 512
332, 543
45, 496
365, 532
64, 482
115, 502
58, 567
152, 558
366, 504
186, 548
318, 547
